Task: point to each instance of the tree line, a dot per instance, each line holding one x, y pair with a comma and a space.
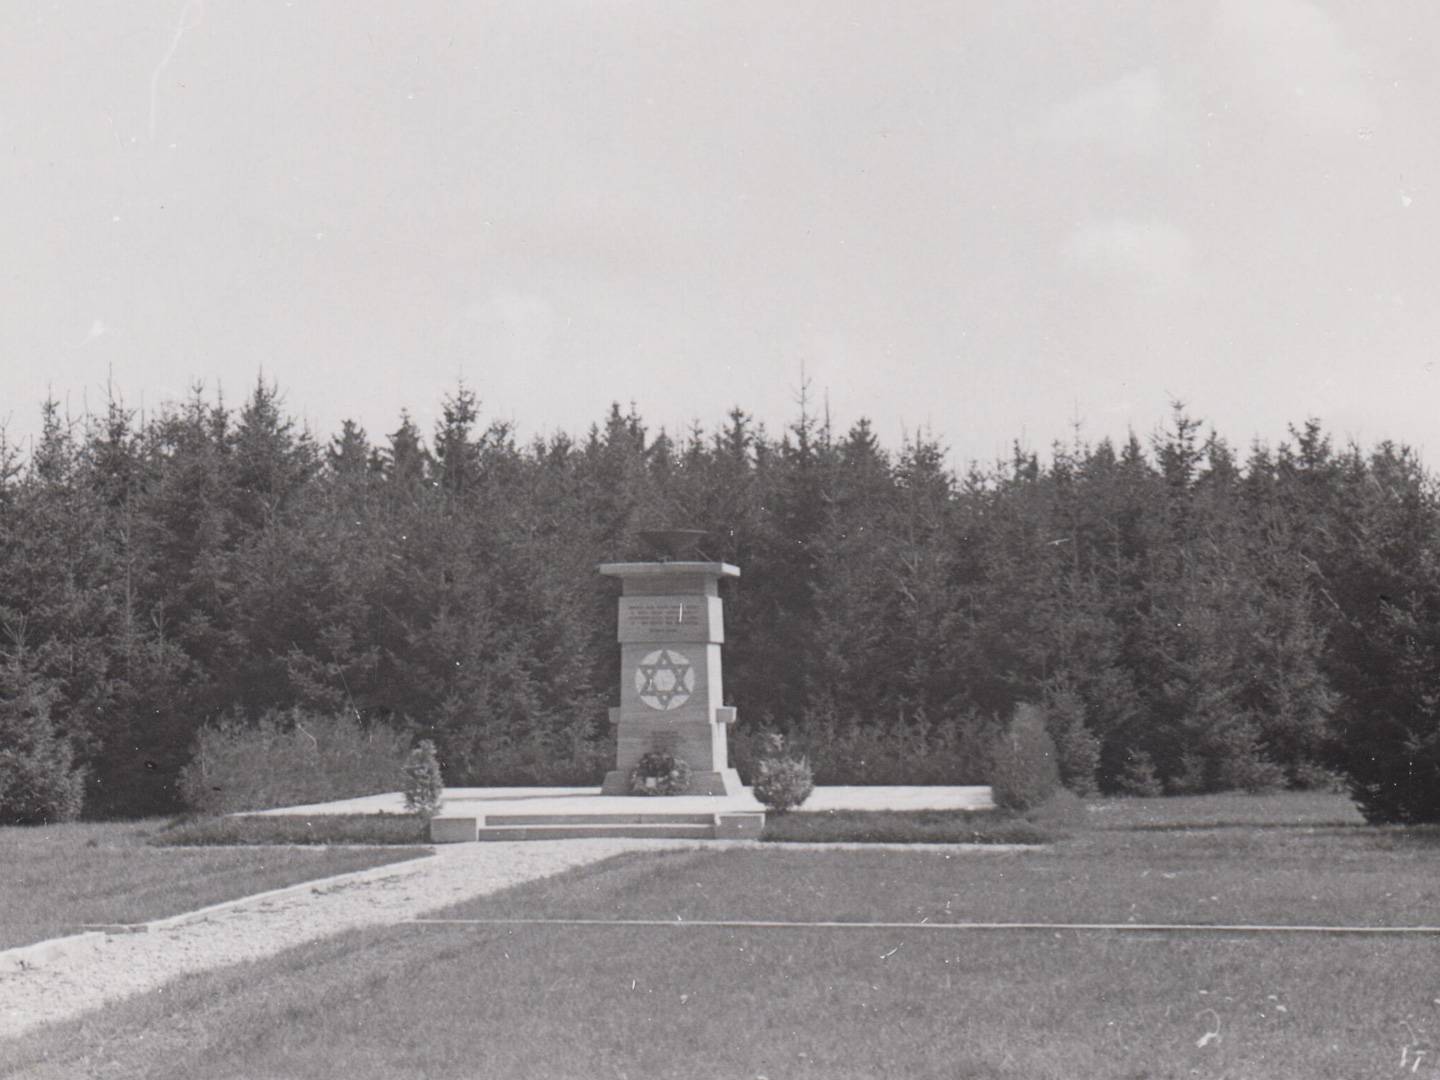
1186, 616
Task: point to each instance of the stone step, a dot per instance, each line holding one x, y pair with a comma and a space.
659, 818
573, 831
721, 825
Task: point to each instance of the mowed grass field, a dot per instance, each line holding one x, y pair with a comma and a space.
57, 879
490, 998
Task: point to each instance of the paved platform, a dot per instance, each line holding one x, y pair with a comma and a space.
482, 802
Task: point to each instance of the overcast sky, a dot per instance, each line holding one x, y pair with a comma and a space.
991, 219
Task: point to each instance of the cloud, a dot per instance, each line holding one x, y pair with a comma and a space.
1297, 59
1153, 254
1127, 115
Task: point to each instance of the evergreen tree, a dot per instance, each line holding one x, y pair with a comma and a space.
349, 453
457, 455
1179, 616
39, 781
1386, 659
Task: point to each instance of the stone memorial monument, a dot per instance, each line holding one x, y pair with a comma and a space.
671, 627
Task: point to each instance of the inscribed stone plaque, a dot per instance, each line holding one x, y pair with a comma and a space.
670, 618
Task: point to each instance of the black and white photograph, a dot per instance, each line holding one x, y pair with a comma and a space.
719, 539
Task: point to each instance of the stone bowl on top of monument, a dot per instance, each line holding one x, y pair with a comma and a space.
680, 545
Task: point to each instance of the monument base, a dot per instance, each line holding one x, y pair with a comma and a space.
716, 782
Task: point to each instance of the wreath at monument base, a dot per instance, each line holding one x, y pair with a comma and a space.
660, 774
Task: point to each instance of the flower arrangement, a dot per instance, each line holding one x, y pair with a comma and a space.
660, 774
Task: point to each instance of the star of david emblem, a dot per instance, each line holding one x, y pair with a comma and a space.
665, 679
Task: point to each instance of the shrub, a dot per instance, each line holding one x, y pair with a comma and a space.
1193, 777
782, 783
1255, 775
39, 781
659, 773
424, 788
577, 759
1309, 776
1024, 772
842, 749
290, 759
39, 784
1077, 747
1240, 758
1139, 777
1401, 785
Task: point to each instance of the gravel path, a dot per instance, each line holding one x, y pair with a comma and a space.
58, 983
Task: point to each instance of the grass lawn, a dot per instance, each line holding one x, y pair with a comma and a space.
1231, 809
297, 829
57, 878
905, 827
677, 1000
1311, 878
538, 1002
1285, 810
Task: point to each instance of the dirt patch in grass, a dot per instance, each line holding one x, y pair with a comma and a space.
58, 879
297, 829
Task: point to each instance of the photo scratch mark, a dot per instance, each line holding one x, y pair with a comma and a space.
182, 24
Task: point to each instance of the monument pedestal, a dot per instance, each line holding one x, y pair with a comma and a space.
671, 627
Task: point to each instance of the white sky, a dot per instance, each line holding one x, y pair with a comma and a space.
987, 218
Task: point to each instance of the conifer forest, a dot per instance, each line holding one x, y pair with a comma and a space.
1187, 614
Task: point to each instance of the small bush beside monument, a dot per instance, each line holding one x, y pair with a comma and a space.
782, 783
424, 788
